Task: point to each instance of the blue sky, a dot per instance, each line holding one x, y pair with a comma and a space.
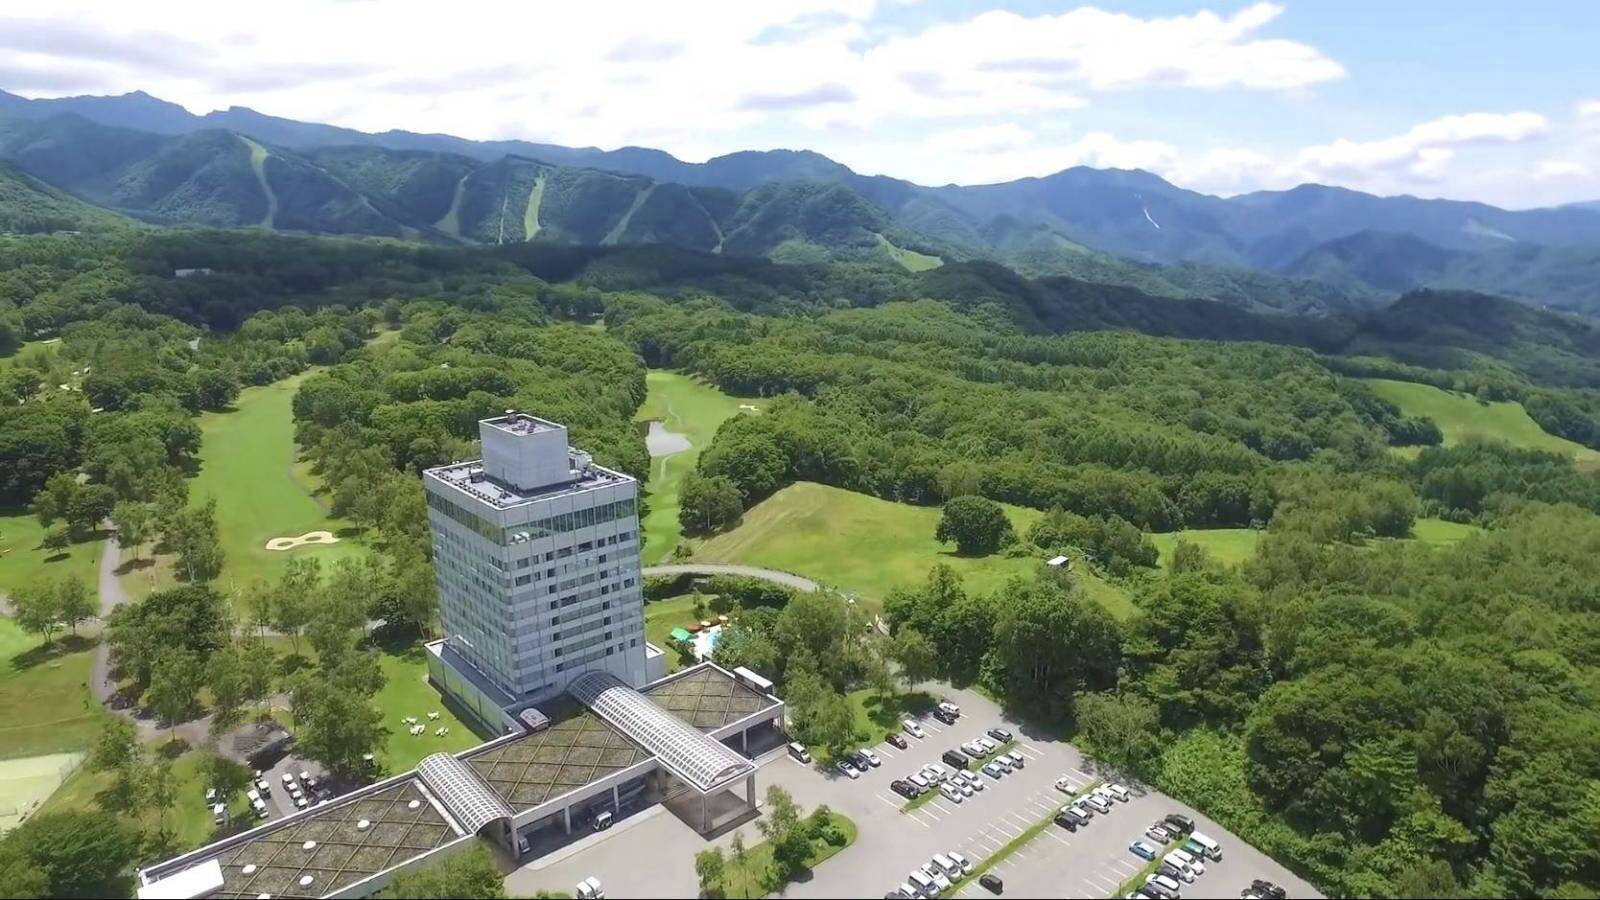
1471, 100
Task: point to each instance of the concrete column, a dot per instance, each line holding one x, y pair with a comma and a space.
616, 800
750, 790
566, 818
705, 822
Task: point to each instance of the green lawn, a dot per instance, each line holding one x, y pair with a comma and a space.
406, 692
247, 462
912, 260
189, 817
754, 877
1438, 531
22, 560
1461, 416
868, 546
661, 616
692, 408
1228, 546
45, 705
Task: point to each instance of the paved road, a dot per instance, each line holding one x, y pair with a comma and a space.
786, 579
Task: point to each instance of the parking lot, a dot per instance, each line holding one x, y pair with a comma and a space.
1089, 863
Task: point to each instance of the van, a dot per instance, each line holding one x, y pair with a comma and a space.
219, 813
589, 889
1213, 850
948, 865
799, 752
954, 759
923, 883
1117, 791
1183, 859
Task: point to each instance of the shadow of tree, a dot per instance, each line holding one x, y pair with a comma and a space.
65, 645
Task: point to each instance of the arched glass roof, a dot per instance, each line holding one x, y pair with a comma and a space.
699, 759
462, 792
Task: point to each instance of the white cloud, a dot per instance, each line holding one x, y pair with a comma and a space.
1589, 110
1560, 168
1425, 149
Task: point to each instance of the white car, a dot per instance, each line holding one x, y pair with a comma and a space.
938, 770
913, 729
845, 768
1017, 759
288, 778
1003, 761
950, 708
937, 877
1065, 785
1158, 834
969, 778
962, 786
1183, 859
264, 785
993, 770
260, 806
1096, 802
1118, 791
950, 792
986, 743
1165, 882
872, 758
920, 780
962, 861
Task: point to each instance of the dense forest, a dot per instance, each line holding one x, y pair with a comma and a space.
1388, 716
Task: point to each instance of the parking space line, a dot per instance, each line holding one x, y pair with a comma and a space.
1126, 867
1020, 820
1063, 841
947, 810
1081, 774
1009, 830
887, 800
917, 819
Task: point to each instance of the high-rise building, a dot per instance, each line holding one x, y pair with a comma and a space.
537, 554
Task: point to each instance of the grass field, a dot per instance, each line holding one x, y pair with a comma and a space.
1228, 546
1461, 417
189, 817
753, 878
45, 706
693, 409
406, 692
22, 560
868, 546
247, 462
912, 260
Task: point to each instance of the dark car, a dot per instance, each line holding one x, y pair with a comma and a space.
1268, 889
943, 716
896, 738
1074, 815
1182, 823
1067, 821
860, 760
1159, 891
955, 758
1171, 871
1000, 734
992, 882
905, 788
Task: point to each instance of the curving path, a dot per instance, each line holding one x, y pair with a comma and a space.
786, 579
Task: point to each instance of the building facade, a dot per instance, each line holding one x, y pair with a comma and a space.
537, 554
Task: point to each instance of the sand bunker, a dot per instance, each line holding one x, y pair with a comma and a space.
750, 406
310, 537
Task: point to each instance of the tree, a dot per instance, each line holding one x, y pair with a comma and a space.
161, 793
135, 523
710, 866
915, 655
175, 684
37, 608
88, 508
193, 535
227, 776
259, 660
295, 596
337, 726
73, 602
1123, 729
470, 875
54, 502
228, 677
741, 861
786, 834
56, 540
708, 503
80, 853
116, 750
832, 723
977, 525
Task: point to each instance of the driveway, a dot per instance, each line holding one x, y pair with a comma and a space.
786, 579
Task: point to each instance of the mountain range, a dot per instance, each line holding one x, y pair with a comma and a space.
1311, 249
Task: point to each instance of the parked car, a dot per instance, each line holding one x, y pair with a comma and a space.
1118, 791
848, 770
975, 781
1067, 820
1188, 860
1082, 810
1172, 888
1098, 804
920, 781
974, 750
858, 759
924, 884
1158, 834
260, 806
1017, 759
993, 771
1076, 813
987, 743
1003, 762
954, 759
1175, 872
938, 770
1210, 849
602, 820
871, 758
1267, 889
219, 813
1142, 849
992, 882
905, 788
948, 718
1000, 734
895, 738
961, 785
1065, 785
264, 786
950, 792
948, 866
589, 889
949, 707
1181, 824
937, 877
799, 752
913, 729
962, 861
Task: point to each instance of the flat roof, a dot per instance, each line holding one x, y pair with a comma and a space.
343, 853
569, 754
501, 495
707, 698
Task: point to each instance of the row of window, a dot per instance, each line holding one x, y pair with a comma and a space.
551, 525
